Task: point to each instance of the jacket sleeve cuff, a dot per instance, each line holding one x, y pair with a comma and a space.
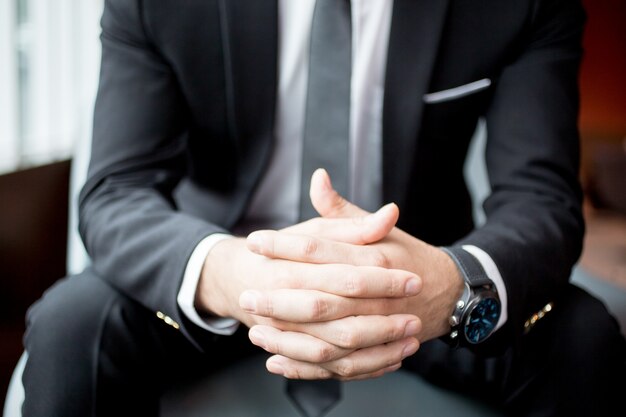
186, 295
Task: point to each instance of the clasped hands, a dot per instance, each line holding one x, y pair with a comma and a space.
346, 295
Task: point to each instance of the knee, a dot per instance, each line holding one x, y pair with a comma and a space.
589, 345
68, 313
590, 356
593, 331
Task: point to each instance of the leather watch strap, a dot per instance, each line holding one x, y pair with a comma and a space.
473, 272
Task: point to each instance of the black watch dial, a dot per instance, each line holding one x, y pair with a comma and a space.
482, 320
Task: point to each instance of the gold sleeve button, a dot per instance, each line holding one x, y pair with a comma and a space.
168, 320
534, 319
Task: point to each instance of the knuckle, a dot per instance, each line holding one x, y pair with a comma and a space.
290, 373
346, 368
310, 248
338, 205
355, 284
393, 360
269, 306
381, 260
273, 347
319, 309
394, 333
394, 288
322, 373
348, 339
324, 353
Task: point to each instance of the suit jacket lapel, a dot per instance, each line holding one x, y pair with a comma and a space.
250, 39
414, 39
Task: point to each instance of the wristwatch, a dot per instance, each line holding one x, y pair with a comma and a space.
477, 312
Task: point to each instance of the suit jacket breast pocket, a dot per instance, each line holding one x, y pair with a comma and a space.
457, 92
450, 116
447, 110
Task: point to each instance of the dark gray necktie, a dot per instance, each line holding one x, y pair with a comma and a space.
327, 123
326, 145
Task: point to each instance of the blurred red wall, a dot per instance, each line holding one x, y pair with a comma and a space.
603, 73
603, 104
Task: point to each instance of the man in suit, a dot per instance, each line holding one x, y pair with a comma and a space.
198, 142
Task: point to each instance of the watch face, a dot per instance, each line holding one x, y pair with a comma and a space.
482, 320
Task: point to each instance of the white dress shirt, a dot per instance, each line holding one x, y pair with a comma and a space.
275, 203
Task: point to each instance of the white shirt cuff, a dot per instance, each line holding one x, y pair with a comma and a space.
494, 274
187, 294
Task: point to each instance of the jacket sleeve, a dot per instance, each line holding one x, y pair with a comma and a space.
534, 225
129, 222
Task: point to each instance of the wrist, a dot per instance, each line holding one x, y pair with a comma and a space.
455, 285
213, 293
443, 285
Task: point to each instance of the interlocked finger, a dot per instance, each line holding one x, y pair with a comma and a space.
362, 363
357, 332
312, 249
347, 280
296, 345
308, 306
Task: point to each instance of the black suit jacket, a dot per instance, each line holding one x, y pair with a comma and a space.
184, 130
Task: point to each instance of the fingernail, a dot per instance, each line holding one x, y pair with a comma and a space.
409, 349
248, 301
412, 287
411, 328
255, 242
258, 338
275, 367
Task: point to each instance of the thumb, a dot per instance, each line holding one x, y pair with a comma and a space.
327, 201
330, 204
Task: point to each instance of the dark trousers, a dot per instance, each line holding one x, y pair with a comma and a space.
93, 351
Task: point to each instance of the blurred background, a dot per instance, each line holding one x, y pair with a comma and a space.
49, 64
49, 61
